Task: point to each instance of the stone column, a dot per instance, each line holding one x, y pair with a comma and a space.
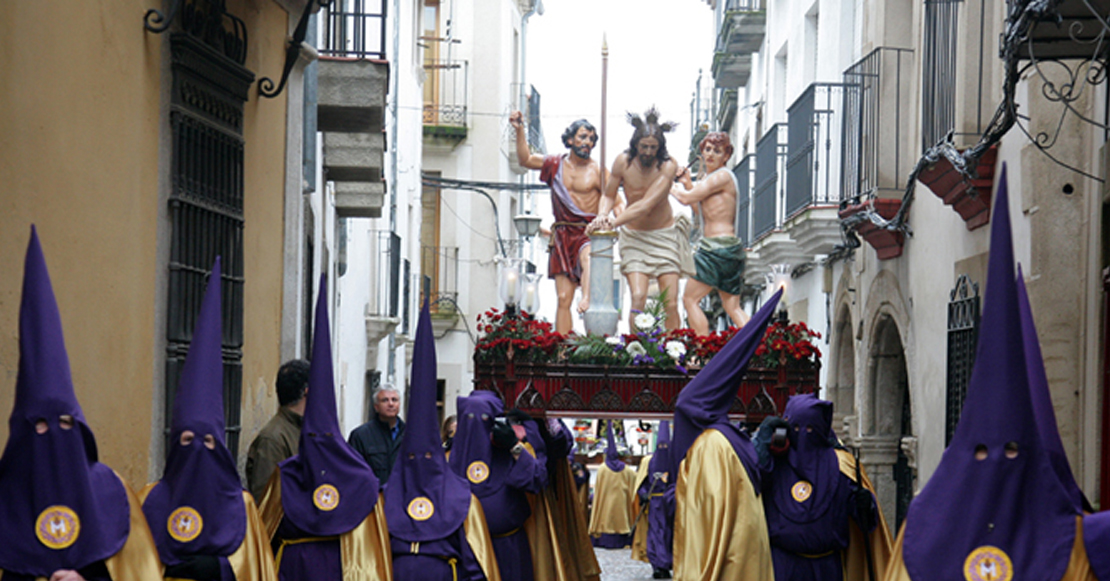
601, 318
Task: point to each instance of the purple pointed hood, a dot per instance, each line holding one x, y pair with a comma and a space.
810, 458
612, 456
61, 508
197, 506
327, 489
987, 506
424, 499
661, 459
705, 401
1042, 399
472, 454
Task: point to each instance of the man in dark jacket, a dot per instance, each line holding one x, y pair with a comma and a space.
379, 439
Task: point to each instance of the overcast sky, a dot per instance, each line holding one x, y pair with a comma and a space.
655, 50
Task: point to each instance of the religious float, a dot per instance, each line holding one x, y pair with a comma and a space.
636, 375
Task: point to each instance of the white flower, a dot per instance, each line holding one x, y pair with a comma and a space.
635, 348
644, 321
675, 349
614, 341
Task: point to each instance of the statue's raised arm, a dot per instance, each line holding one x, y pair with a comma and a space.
575, 182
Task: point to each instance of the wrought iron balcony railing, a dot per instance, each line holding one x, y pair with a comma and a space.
355, 29
768, 198
815, 125
440, 268
385, 274
745, 178
877, 101
445, 93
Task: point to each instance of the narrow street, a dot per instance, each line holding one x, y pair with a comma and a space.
617, 565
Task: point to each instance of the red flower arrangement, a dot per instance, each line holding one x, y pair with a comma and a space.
783, 342
522, 338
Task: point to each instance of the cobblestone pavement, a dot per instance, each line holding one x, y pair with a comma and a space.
617, 565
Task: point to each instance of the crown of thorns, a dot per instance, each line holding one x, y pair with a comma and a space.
651, 117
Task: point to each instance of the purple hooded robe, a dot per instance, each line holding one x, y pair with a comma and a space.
498, 480
995, 503
427, 546
199, 496
61, 508
327, 489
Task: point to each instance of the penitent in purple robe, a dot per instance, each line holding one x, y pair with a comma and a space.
660, 515
197, 480
327, 489
53, 476
807, 499
430, 545
995, 502
498, 480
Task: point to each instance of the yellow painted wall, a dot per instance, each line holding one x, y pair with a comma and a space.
79, 133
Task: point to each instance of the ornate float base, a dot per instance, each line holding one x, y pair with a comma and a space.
600, 391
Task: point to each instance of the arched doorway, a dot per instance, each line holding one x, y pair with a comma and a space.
890, 420
842, 378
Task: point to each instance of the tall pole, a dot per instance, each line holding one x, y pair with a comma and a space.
604, 99
602, 317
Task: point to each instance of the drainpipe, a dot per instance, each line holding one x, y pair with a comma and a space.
395, 85
537, 8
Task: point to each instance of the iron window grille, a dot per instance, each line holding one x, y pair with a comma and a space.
963, 338
770, 181
876, 98
814, 122
355, 29
206, 212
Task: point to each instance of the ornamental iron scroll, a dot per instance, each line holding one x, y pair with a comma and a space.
292, 51
1039, 36
206, 20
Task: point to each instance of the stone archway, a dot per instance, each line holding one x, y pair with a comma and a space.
841, 377
889, 421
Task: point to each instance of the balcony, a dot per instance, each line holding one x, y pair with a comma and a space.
754, 268
771, 243
741, 34
353, 79
726, 113
877, 105
445, 101
439, 267
382, 311
815, 126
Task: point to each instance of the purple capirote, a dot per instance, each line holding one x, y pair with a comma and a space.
705, 401
1042, 400
327, 489
612, 456
421, 471
42, 474
660, 518
196, 477
995, 488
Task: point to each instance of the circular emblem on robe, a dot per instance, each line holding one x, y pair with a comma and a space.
325, 497
988, 563
477, 472
801, 490
185, 524
421, 508
57, 527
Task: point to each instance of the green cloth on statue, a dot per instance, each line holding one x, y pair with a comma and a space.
720, 263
